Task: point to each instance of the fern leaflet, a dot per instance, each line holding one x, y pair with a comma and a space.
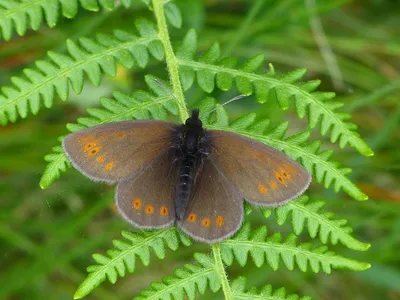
186, 282
273, 250
323, 224
123, 257
93, 57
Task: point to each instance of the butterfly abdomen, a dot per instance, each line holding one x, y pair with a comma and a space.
184, 187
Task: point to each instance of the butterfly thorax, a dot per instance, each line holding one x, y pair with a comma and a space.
191, 150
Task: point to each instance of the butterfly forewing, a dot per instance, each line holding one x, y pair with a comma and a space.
262, 175
114, 151
147, 198
215, 209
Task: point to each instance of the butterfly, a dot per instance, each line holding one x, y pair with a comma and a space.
184, 174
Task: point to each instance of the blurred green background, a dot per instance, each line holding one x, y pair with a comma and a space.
47, 236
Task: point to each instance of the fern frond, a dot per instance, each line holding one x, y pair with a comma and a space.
210, 70
273, 250
23, 13
317, 162
57, 163
93, 57
123, 257
186, 282
302, 212
239, 291
138, 105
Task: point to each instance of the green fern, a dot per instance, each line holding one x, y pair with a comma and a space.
207, 273
273, 251
123, 258
16, 13
210, 70
95, 57
23, 13
302, 213
187, 281
92, 57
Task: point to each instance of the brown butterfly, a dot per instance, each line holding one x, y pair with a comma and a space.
184, 174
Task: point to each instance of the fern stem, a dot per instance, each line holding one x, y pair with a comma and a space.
172, 63
226, 289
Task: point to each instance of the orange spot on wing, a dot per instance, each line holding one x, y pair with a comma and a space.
109, 166
279, 177
163, 211
220, 221
284, 173
206, 222
149, 209
192, 218
137, 203
100, 158
262, 189
273, 184
94, 151
89, 146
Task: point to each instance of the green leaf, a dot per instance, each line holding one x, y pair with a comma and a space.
275, 250
57, 163
21, 14
124, 256
173, 14
186, 282
303, 214
93, 57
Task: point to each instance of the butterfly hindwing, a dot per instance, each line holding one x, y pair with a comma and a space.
262, 175
114, 151
147, 199
215, 209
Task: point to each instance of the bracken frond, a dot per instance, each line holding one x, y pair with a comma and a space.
22, 14
210, 70
273, 250
304, 213
92, 57
125, 254
186, 281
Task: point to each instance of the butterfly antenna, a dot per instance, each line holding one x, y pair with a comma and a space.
168, 91
229, 101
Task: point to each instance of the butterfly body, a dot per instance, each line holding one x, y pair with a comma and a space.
191, 148
184, 174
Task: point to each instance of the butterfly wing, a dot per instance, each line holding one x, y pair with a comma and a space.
114, 151
147, 199
262, 175
215, 209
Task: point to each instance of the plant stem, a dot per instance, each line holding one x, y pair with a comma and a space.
172, 63
226, 289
